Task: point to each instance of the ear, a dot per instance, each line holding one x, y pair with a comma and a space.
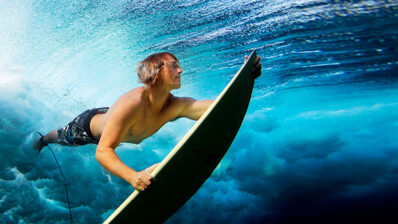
156, 79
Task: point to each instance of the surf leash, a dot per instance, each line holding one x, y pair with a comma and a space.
66, 189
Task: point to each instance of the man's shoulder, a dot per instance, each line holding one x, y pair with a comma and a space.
132, 97
179, 103
175, 100
130, 102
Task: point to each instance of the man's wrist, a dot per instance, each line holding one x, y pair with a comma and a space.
131, 176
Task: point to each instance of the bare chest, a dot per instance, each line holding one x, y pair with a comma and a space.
146, 127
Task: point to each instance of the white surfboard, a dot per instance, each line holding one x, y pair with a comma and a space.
194, 158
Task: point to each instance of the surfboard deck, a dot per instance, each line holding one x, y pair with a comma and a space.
194, 158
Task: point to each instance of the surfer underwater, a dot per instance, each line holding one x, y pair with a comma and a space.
135, 116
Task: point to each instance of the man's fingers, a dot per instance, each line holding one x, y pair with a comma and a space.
143, 181
142, 185
256, 70
148, 174
257, 60
153, 167
258, 65
146, 178
140, 188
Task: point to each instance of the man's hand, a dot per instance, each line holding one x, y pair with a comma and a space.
256, 70
141, 180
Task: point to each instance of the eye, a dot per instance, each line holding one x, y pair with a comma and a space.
175, 65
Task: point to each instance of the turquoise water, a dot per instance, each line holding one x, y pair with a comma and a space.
318, 142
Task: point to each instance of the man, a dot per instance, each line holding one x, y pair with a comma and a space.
135, 116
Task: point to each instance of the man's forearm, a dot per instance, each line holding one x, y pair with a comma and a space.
112, 163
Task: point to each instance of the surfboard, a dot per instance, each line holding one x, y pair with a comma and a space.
191, 162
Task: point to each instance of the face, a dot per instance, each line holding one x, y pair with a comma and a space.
170, 74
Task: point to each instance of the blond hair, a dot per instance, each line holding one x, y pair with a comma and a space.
149, 68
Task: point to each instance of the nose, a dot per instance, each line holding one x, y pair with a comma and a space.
179, 70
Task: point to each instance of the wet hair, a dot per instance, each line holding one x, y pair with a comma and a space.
148, 69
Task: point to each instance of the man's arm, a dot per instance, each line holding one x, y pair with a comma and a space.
121, 118
193, 109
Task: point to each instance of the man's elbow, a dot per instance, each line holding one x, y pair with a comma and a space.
100, 153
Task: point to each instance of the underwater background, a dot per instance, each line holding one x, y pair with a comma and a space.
318, 143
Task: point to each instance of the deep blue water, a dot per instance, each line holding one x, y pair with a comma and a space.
319, 141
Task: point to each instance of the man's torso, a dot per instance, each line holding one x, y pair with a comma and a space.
147, 122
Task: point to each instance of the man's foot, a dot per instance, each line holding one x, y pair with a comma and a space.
39, 144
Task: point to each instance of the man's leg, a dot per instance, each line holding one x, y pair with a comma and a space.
73, 134
50, 137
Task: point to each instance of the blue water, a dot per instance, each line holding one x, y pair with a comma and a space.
319, 141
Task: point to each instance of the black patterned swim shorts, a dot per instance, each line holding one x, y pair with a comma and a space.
78, 132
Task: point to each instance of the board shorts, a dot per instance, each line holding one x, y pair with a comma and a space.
78, 132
